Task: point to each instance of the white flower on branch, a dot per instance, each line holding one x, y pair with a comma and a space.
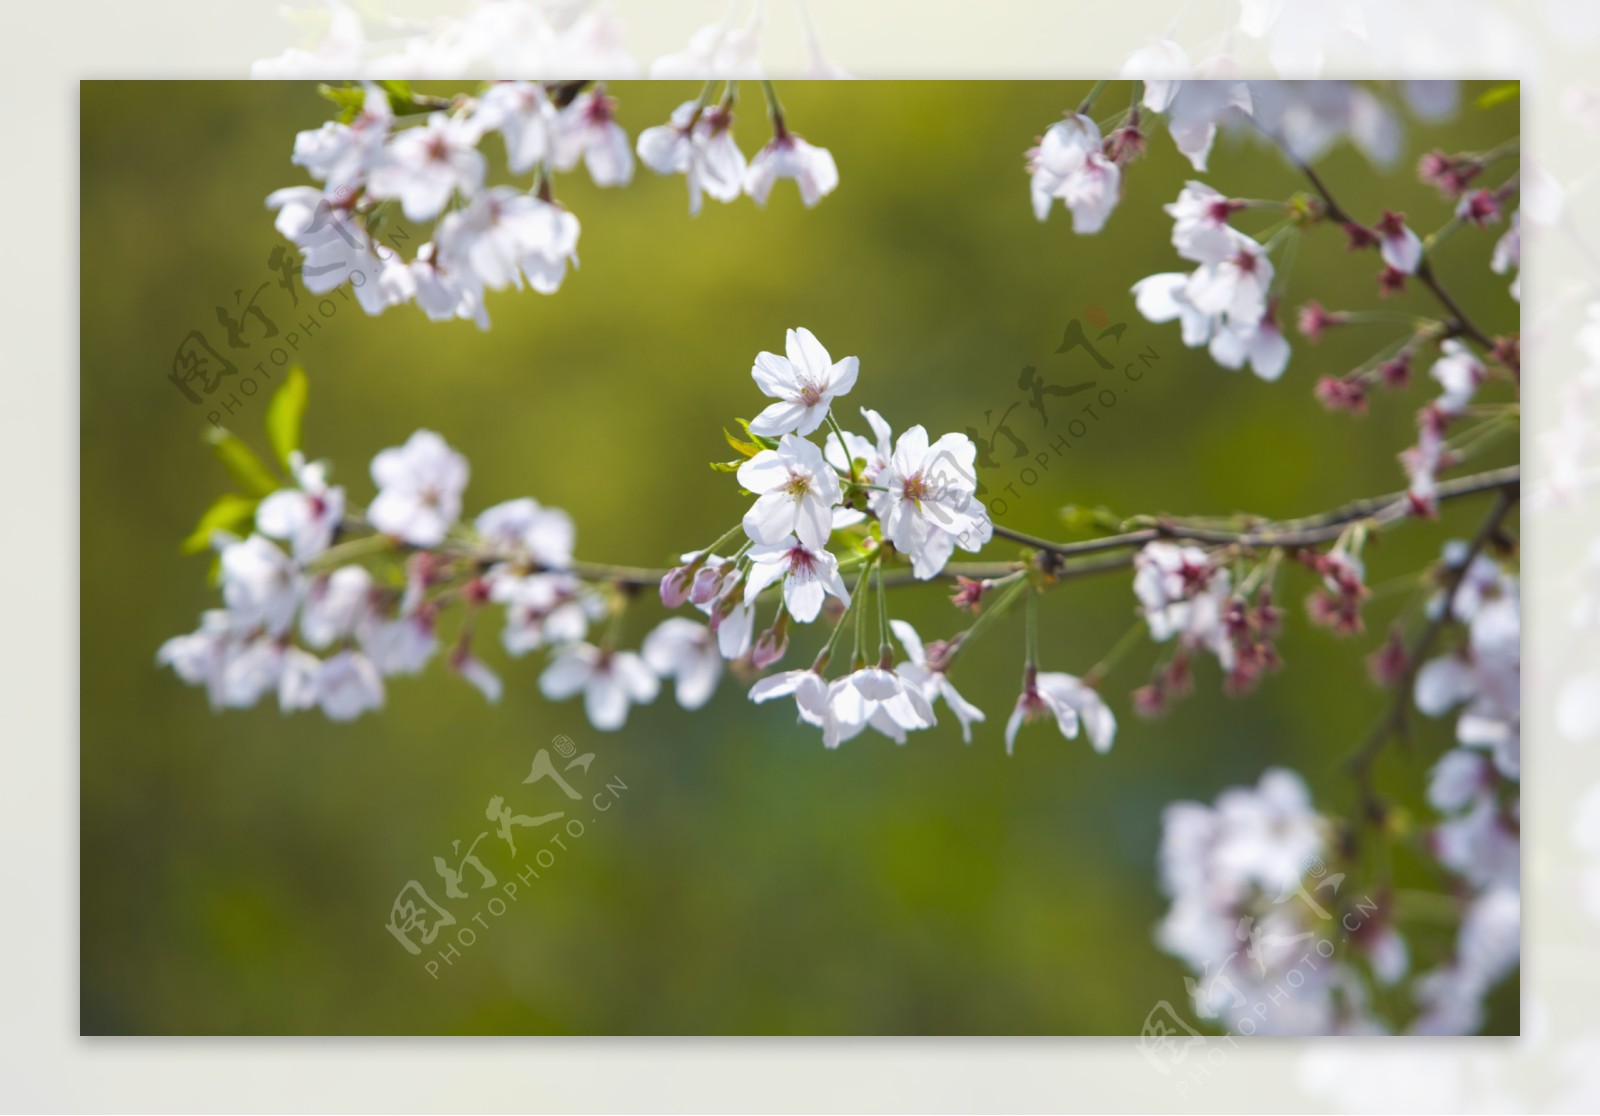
795, 494
587, 129
610, 681
698, 143
681, 649
788, 155
1069, 164
809, 576
805, 383
261, 585
931, 679
424, 167
419, 489
930, 504
304, 517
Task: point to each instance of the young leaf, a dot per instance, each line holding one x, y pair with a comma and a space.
230, 513
284, 414
248, 471
747, 449
760, 440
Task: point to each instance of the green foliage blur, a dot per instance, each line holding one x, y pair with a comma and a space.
237, 869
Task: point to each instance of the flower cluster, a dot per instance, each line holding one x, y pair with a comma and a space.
1475, 788
395, 151
1279, 945
1228, 303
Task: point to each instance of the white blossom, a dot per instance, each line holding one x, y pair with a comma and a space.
682, 649
805, 383
304, 517
788, 155
261, 585
419, 489
808, 576
930, 502
424, 167
795, 493
610, 681
586, 129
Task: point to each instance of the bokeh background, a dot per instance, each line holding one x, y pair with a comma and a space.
237, 870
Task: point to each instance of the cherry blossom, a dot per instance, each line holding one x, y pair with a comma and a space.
698, 144
1069, 164
681, 649
348, 685
930, 503
808, 576
522, 113
419, 489
931, 679
805, 383
305, 517
610, 681
522, 531
336, 606
795, 493
423, 167
261, 585
341, 155
586, 129
788, 155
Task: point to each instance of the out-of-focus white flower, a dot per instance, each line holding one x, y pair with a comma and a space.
1069, 164
1261, 345
336, 606
400, 645
348, 685
477, 672
304, 517
1400, 248
443, 291
424, 167
1236, 285
805, 383
340, 155
543, 609
679, 648
788, 155
1164, 298
795, 493
587, 129
1200, 229
610, 681
698, 144
503, 233
1183, 595
1161, 65
200, 657
1459, 373
261, 585
419, 489
520, 111
717, 50
335, 247
808, 576
340, 52
523, 531
1508, 254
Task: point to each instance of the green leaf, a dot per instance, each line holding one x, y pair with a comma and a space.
1500, 94
348, 99
760, 440
284, 414
745, 449
248, 471
725, 466
229, 513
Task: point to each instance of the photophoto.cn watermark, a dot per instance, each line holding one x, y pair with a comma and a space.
477, 884
1176, 1048
255, 347
1016, 450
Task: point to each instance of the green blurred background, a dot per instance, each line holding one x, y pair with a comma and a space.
238, 869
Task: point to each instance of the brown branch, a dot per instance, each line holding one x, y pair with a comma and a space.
1306, 531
